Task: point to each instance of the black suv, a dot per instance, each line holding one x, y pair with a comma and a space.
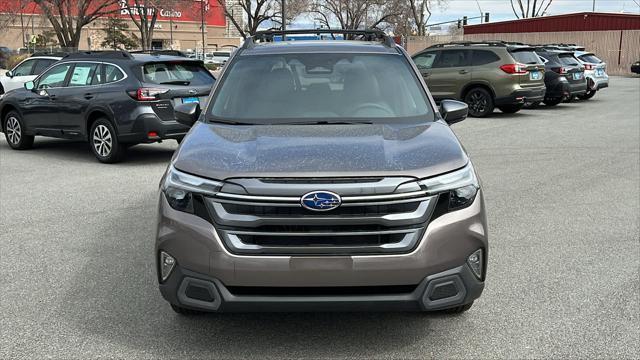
112, 99
564, 76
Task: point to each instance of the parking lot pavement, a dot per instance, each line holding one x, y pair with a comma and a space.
562, 191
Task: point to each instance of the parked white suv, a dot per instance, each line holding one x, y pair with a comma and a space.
595, 71
25, 71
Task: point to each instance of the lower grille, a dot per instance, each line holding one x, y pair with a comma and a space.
322, 291
363, 224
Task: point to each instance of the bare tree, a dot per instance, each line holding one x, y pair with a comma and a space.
68, 17
262, 12
144, 14
356, 14
421, 13
530, 8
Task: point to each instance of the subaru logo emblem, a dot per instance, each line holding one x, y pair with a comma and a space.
320, 201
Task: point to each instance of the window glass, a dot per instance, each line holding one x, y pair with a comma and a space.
525, 56
82, 74
99, 75
425, 61
24, 69
54, 77
482, 57
112, 73
568, 59
180, 73
452, 58
319, 87
41, 65
590, 58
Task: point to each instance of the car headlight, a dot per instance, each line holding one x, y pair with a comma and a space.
180, 187
461, 185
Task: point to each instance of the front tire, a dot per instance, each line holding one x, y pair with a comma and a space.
104, 142
552, 102
511, 109
14, 132
588, 95
480, 102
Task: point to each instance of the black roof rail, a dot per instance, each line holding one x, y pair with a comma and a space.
366, 35
112, 54
47, 53
479, 43
160, 52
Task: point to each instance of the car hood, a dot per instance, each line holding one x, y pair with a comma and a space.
219, 151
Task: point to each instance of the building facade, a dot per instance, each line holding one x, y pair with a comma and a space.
178, 27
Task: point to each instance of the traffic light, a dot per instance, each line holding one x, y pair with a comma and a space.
486, 17
464, 21
459, 24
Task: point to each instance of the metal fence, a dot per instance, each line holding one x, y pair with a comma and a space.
618, 48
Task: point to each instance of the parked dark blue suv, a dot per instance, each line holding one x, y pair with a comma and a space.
112, 99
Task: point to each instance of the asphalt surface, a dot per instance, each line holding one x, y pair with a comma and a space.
562, 187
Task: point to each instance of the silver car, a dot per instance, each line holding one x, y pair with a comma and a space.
595, 71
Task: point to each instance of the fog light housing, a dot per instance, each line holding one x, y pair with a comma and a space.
475, 262
167, 263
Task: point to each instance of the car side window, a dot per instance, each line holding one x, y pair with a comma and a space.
41, 65
24, 69
82, 74
112, 73
425, 60
452, 58
54, 77
98, 75
483, 57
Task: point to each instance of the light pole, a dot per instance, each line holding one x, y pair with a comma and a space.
284, 20
202, 26
594, 6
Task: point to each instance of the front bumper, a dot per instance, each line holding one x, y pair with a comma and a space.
442, 251
522, 96
150, 123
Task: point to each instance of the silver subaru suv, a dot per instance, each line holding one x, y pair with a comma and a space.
321, 176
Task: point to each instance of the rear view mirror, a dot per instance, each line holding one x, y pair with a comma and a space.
453, 111
29, 85
187, 114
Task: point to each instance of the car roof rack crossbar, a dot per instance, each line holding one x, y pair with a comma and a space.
365, 35
111, 54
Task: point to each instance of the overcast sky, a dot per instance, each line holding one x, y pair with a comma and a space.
501, 9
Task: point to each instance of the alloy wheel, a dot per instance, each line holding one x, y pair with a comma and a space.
14, 131
478, 103
102, 141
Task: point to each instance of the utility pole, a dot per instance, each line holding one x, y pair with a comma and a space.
171, 29
594, 6
284, 20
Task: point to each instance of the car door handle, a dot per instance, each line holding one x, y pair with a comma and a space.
88, 96
463, 72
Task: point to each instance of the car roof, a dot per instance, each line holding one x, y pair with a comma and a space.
319, 46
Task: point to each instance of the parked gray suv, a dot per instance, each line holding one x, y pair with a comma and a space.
321, 176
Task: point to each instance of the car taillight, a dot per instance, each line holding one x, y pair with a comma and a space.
147, 94
560, 70
514, 68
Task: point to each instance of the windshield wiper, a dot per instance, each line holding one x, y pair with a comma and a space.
228, 122
176, 82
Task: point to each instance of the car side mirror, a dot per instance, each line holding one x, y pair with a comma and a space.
9, 74
29, 85
187, 114
453, 111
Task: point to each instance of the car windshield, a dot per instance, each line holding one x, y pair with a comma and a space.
312, 88
176, 73
525, 56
